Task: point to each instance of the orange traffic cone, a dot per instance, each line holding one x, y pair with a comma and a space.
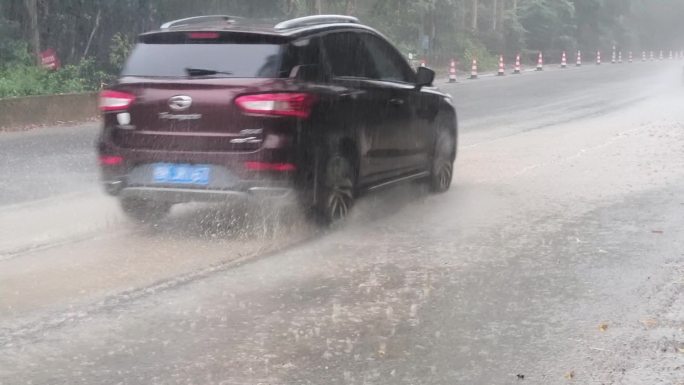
452, 71
598, 58
564, 61
540, 62
652, 56
620, 57
502, 68
473, 71
516, 70
629, 57
579, 59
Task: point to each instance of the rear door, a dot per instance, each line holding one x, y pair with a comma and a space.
406, 135
185, 84
373, 109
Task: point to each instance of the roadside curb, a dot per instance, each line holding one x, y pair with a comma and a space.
23, 113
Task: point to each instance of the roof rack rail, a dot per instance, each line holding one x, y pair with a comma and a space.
199, 19
316, 19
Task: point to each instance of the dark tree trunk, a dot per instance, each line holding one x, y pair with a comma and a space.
351, 7
34, 30
96, 25
474, 14
314, 7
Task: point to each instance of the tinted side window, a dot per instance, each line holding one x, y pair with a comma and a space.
303, 52
347, 55
389, 65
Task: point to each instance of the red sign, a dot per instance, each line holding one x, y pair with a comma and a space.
49, 59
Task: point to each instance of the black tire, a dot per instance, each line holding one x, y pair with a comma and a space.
337, 191
144, 211
442, 169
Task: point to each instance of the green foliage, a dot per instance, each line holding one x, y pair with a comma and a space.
548, 23
474, 49
514, 33
119, 49
24, 80
13, 50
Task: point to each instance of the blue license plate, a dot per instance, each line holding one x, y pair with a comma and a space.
188, 174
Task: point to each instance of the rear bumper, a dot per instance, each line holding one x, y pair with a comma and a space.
230, 179
225, 186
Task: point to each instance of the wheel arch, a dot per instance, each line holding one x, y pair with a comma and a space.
448, 117
348, 147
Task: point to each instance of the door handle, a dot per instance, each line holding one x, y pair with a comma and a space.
397, 102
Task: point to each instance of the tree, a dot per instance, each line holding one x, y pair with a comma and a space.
549, 24
34, 31
81, 29
474, 14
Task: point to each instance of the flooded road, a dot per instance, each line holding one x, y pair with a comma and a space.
557, 256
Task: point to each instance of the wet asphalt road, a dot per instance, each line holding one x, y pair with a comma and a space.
556, 258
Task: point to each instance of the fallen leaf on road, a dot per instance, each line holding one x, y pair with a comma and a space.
382, 350
649, 322
520, 376
570, 375
603, 327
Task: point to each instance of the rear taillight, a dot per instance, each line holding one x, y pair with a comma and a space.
265, 166
110, 160
283, 104
115, 100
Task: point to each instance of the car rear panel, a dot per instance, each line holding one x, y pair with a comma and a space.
216, 133
208, 128
211, 123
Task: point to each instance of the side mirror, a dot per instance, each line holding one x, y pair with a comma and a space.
424, 77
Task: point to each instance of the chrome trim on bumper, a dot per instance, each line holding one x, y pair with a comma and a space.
181, 195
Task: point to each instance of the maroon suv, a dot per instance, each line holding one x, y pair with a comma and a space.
322, 108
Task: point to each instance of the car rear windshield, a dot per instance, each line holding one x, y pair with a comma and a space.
229, 58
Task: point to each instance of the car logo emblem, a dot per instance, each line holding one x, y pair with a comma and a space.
180, 102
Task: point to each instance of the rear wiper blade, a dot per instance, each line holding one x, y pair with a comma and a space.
205, 72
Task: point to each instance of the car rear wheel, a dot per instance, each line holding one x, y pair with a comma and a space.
337, 193
442, 170
145, 211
